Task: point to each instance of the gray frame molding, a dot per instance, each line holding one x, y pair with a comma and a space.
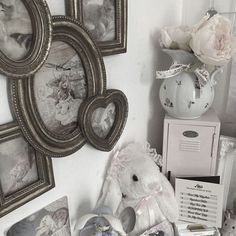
45, 171
41, 40
226, 156
23, 101
74, 9
89, 106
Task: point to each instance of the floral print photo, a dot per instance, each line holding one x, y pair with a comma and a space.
62, 89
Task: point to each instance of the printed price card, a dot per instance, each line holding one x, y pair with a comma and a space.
199, 202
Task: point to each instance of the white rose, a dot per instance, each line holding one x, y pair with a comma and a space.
211, 42
176, 37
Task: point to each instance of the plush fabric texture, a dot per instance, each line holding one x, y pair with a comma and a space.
134, 180
229, 226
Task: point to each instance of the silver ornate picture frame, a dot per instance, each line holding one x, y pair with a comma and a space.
103, 119
47, 110
24, 173
106, 21
25, 36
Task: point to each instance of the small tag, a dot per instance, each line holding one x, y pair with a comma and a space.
203, 76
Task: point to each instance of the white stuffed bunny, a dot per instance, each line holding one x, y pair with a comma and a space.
229, 226
134, 181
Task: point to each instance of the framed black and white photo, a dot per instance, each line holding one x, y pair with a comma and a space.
24, 173
51, 220
25, 36
46, 106
103, 119
105, 19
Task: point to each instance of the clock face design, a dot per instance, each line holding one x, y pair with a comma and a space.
61, 91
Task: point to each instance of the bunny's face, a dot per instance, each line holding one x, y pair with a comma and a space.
229, 227
139, 178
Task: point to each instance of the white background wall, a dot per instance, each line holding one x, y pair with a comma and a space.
80, 175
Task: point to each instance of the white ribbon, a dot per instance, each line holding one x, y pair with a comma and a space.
142, 203
176, 69
146, 202
203, 76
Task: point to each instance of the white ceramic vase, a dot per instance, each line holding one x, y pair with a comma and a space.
182, 96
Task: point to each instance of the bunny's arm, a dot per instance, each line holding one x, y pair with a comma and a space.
167, 201
111, 195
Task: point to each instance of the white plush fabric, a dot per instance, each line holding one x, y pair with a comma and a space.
134, 180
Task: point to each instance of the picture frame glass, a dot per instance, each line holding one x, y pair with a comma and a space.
18, 167
15, 29
103, 119
99, 17
53, 219
60, 86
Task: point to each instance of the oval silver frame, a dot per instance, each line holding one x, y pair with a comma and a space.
45, 182
23, 102
42, 32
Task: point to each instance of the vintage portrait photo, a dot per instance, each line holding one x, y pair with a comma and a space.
59, 88
103, 119
15, 29
18, 167
53, 220
99, 18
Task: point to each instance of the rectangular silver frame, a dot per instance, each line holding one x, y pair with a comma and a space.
74, 8
45, 182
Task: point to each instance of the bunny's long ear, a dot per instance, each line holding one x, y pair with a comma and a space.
167, 201
111, 194
227, 214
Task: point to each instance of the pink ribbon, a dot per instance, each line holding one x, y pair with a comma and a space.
142, 203
146, 202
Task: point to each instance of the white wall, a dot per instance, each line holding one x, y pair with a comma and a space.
79, 176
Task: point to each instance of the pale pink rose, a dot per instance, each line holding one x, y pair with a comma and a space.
212, 42
201, 23
176, 37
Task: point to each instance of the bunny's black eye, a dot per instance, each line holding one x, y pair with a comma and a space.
135, 178
233, 227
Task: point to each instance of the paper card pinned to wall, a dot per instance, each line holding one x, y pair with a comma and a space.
199, 202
